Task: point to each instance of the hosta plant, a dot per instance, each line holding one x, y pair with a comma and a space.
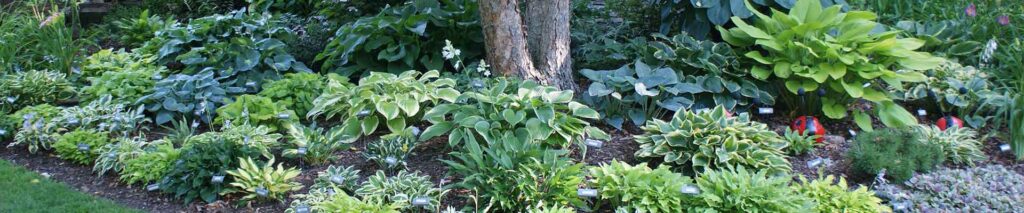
124, 86
318, 144
137, 31
509, 173
742, 190
263, 182
257, 111
961, 144
81, 146
713, 66
343, 203
114, 156
337, 177
800, 144
713, 139
35, 87
108, 60
36, 134
404, 37
191, 96
382, 99
639, 188
104, 115
831, 196
252, 137
699, 17
992, 188
296, 91
948, 38
151, 165
400, 189
540, 113
958, 89
813, 48
896, 153
392, 150
42, 111
191, 176
244, 46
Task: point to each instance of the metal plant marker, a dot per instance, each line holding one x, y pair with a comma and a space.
3, 132
421, 201
815, 162
301, 150
302, 209
284, 116
83, 147
262, 192
363, 113
853, 133
689, 189
922, 112
337, 179
587, 192
416, 131
391, 161
152, 187
765, 110
217, 179
593, 143
1004, 147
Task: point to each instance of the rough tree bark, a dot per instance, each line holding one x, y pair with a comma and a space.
537, 50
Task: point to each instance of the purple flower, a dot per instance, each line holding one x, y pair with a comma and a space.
1004, 20
971, 10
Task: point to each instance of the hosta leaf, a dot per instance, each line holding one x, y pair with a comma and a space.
389, 110
369, 124
410, 106
863, 120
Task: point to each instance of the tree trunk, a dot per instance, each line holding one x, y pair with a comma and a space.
547, 24
505, 39
544, 57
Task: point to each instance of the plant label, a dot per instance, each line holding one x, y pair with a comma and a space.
195, 124
152, 187
331, 192
1004, 147
922, 112
112, 155
302, 208
421, 201
73, 122
416, 131
11, 99
765, 110
3, 132
901, 206
251, 84
391, 161
593, 143
337, 179
586, 192
853, 133
217, 179
227, 124
301, 151
363, 113
83, 147
158, 77
815, 162
245, 140
689, 189
284, 116
262, 192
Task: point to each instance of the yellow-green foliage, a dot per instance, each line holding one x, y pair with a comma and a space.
250, 178
839, 197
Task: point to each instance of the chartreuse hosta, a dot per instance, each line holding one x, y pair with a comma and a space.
393, 100
814, 48
529, 110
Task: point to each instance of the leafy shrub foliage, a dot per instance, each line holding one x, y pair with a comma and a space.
961, 145
319, 144
341, 202
799, 49
392, 150
800, 144
253, 137
713, 140
150, 165
990, 188
382, 98
137, 31
896, 152
399, 190
507, 173
330, 178
190, 177
953, 87
35, 87
188, 96
531, 111
257, 111
191, 8
81, 146
45, 112
36, 133
252, 179
114, 156
296, 91
103, 115
639, 188
406, 37
830, 196
742, 190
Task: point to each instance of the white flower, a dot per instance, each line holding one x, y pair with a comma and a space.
990, 49
482, 68
449, 51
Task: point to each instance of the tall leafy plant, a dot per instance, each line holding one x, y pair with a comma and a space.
191, 96
698, 17
813, 48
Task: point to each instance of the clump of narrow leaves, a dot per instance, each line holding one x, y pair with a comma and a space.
263, 182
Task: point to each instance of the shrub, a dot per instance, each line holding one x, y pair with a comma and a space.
188, 96
802, 49
103, 115
800, 144
713, 140
392, 150
263, 182
125, 76
543, 113
382, 98
507, 173
190, 177
318, 143
45, 112
953, 87
296, 91
257, 111
961, 145
311, 35
137, 31
151, 165
991, 188
36, 87
639, 188
252, 137
37, 134
329, 178
896, 152
191, 8
81, 146
114, 156
837, 197
108, 60
741, 190
699, 17
405, 37
400, 190
343, 203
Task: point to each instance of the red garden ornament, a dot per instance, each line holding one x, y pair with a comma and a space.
949, 121
811, 124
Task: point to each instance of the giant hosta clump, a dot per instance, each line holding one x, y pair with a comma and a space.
812, 48
712, 139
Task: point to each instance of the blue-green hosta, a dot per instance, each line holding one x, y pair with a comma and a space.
191, 96
953, 87
812, 48
710, 140
531, 111
382, 98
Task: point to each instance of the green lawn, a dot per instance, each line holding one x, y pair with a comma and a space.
22, 190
